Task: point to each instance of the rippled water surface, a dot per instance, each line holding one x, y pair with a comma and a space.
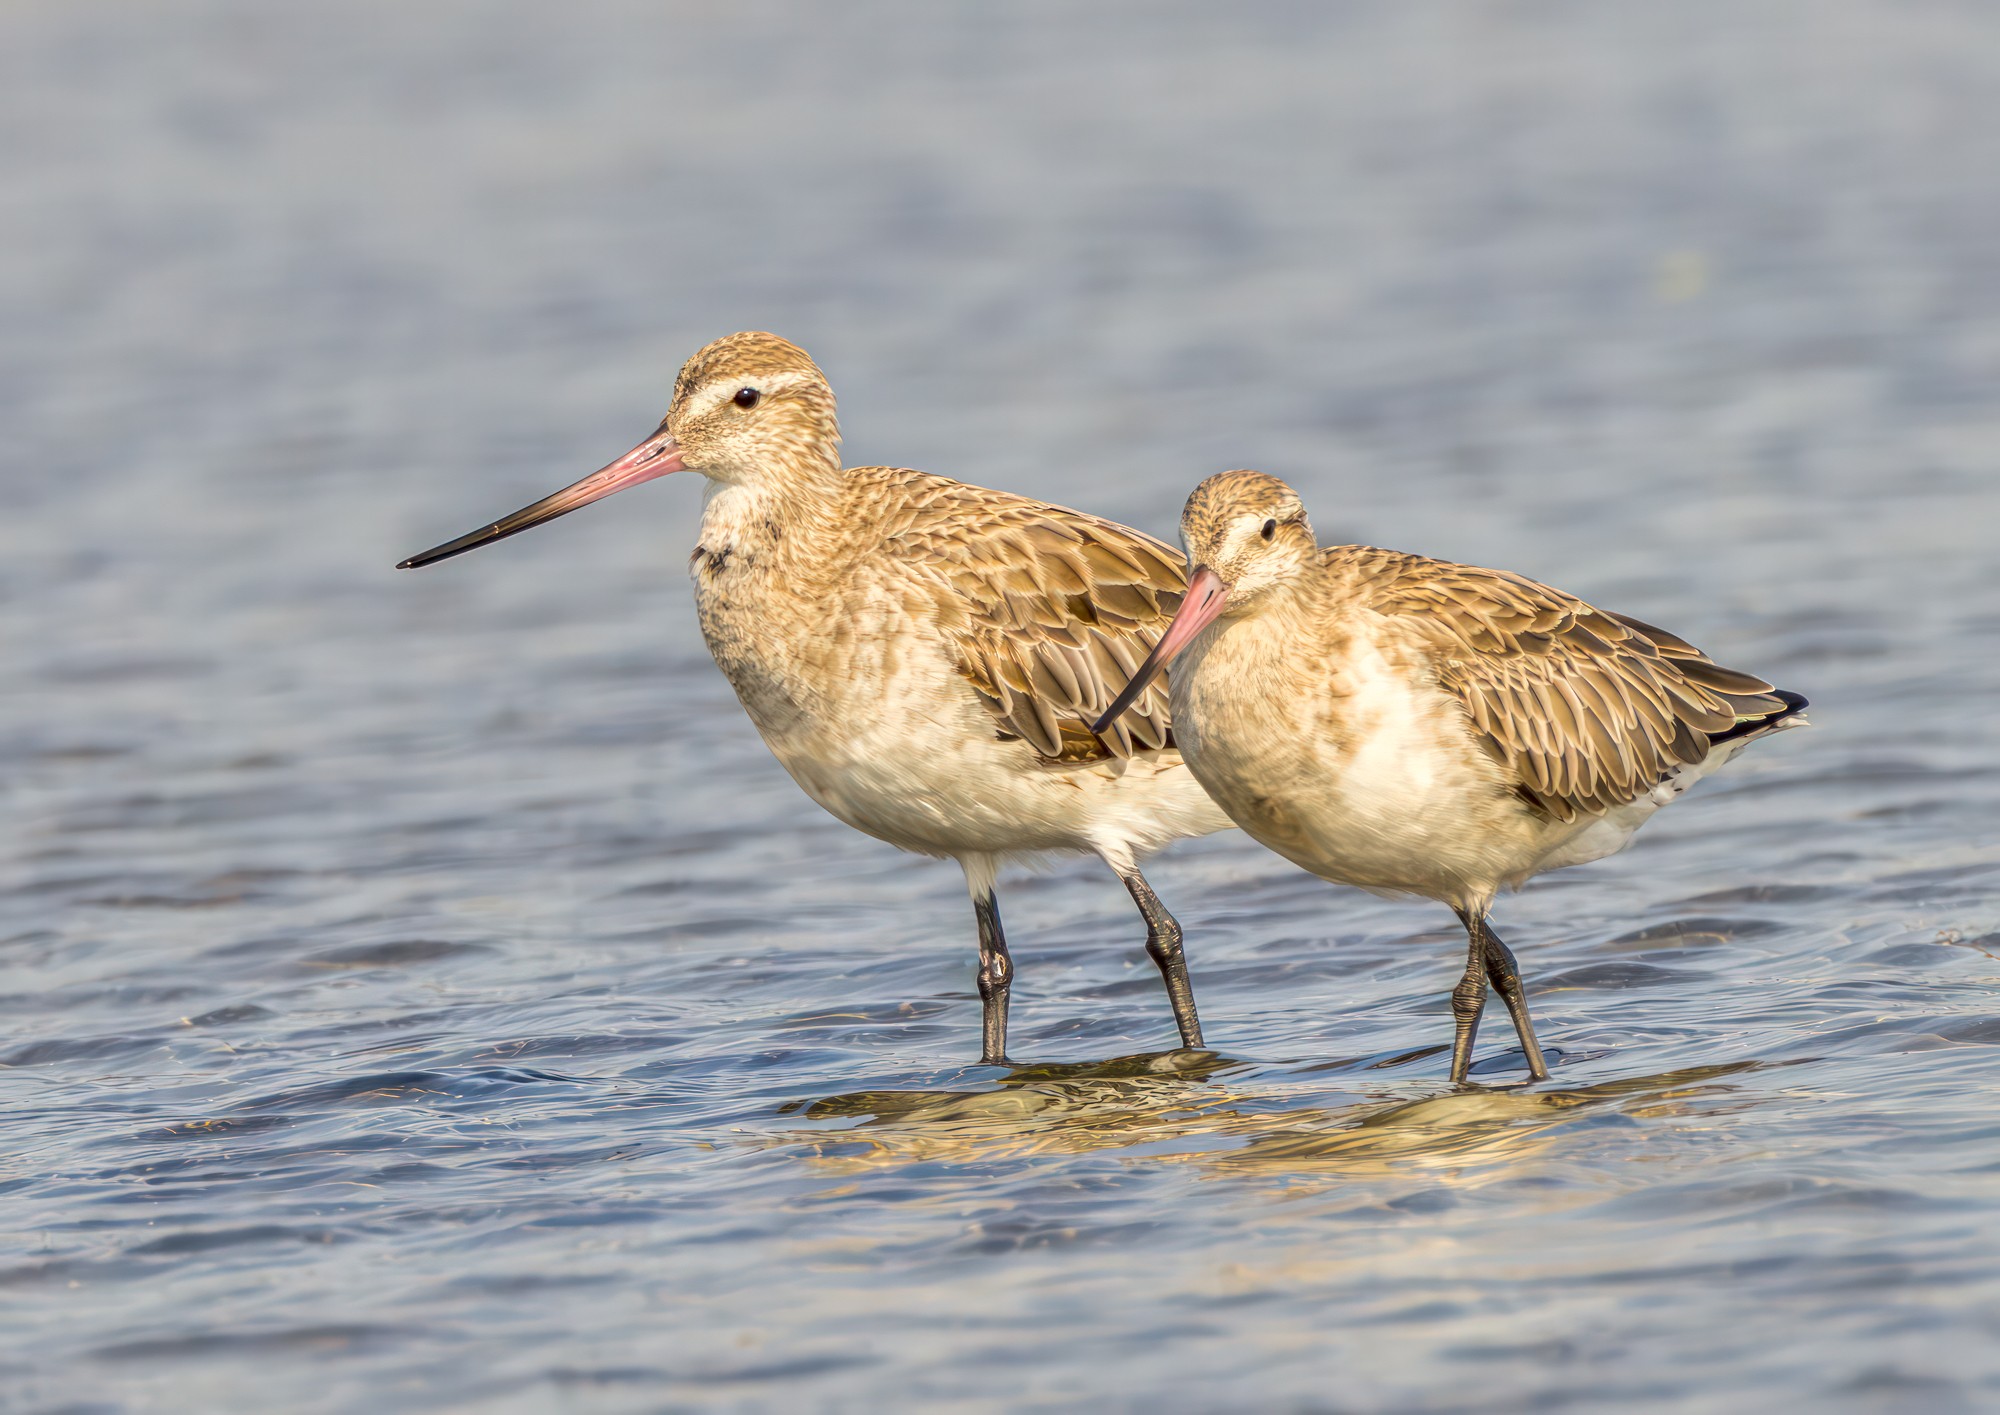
423, 990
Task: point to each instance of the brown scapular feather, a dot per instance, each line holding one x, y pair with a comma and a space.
1047, 619
1587, 709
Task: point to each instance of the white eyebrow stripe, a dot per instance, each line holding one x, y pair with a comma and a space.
712, 395
1283, 511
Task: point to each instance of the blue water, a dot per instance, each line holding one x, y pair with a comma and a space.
424, 992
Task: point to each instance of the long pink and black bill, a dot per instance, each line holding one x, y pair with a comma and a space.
1203, 601
655, 457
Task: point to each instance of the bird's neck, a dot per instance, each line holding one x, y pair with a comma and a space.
794, 517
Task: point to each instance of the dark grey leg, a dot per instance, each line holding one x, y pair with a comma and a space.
1468, 1000
1163, 945
1506, 979
996, 977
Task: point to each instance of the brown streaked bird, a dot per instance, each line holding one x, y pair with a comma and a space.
1412, 726
921, 655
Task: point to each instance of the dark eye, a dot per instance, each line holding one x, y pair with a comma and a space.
1270, 529
746, 397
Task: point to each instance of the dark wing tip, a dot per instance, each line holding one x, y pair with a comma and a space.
1794, 705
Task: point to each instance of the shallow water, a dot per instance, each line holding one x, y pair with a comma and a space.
423, 991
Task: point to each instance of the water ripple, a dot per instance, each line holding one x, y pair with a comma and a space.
425, 992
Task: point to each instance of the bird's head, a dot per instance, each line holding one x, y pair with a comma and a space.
1250, 532
1246, 534
753, 406
747, 408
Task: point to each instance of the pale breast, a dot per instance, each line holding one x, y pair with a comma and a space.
774, 649
1257, 736
1343, 756
853, 692
758, 654
838, 675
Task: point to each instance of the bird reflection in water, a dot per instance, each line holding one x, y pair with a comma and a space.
1205, 1108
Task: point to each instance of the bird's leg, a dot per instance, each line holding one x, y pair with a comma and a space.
1506, 979
996, 977
1468, 1000
1163, 945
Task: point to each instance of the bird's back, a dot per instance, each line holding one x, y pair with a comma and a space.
1043, 610
1588, 710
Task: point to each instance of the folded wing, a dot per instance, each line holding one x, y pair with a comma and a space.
1587, 709
1048, 611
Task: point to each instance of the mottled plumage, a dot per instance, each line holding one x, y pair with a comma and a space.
1588, 710
1414, 726
1048, 610
924, 657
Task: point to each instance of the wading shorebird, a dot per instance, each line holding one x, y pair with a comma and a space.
921, 655
1417, 727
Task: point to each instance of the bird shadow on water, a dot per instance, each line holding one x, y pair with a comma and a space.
1221, 1114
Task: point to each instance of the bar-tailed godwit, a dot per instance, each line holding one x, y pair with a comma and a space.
1417, 727
922, 656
